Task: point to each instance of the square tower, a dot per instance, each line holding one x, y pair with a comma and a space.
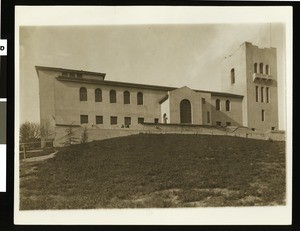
252, 72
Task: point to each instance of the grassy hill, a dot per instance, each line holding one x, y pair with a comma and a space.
157, 171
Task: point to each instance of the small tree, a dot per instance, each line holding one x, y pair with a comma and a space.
70, 137
84, 136
45, 129
30, 132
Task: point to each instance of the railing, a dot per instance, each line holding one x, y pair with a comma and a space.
33, 146
263, 77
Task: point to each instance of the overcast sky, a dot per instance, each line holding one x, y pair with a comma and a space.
168, 55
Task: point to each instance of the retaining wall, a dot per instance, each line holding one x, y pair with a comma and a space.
101, 134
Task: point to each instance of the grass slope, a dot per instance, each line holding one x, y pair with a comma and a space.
157, 171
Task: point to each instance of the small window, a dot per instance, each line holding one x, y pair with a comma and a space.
84, 119
255, 67
113, 120
83, 94
203, 100
79, 75
140, 100
112, 96
228, 123
232, 76
273, 128
267, 95
218, 105
262, 94
256, 93
262, 115
261, 68
127, 121
140, 120
156, 120
227, 105
99, 119
98, 95
267, 70
208, 117
65, 74
126, 97
72, 74
218, 123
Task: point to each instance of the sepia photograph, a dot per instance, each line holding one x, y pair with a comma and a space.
140, 116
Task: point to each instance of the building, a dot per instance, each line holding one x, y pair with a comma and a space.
86, 99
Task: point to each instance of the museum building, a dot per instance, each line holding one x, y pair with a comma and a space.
83, 98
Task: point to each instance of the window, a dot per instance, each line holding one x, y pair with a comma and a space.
203, 100
113, 120
72, 74
156, 120
127, 121
227, 105
256, 93
140, 100
218, 105
126, 97
112, 96
262, 94
255, 67
228, 123
65, 74
83, 94
99, 119
267, 95
261, 68
79, 75
218, 123
98, 95
262, 115
140, 120
208, 117
232, 76
267, 70
84, 119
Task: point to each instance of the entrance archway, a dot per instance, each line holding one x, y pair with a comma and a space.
185, 112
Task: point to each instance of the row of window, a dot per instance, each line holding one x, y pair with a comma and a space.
260, 91
84, 119
112, 96
262, 69
227, 105
219, 123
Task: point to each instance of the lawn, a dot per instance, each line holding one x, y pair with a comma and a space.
144, 171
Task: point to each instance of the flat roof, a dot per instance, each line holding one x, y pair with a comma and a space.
69, 70
123, 84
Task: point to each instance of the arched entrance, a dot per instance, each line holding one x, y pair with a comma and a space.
185, 112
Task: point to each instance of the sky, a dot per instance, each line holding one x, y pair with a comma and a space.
167, 55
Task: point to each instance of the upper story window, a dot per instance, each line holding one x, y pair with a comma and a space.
218, 105
112, 96
267, 70
126, 97
140, 98
232, 72
227, 105
256, 93
83, 94
261, 68
255, 67
71, 74
98, 95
